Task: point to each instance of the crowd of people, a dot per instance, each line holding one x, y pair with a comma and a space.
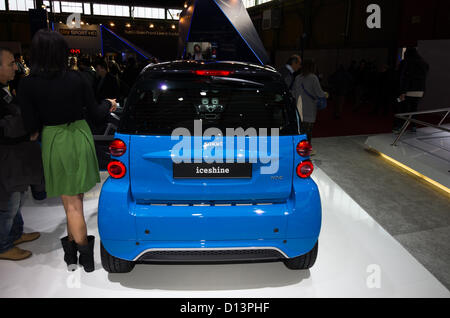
44, 132
362, 86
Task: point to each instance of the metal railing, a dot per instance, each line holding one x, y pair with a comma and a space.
408, 117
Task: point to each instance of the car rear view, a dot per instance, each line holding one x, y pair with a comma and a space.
208, 165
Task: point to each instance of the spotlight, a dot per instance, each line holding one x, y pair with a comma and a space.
112, 24
173, 26
128, 25
152, 26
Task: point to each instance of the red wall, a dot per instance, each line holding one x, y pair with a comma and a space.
424, 20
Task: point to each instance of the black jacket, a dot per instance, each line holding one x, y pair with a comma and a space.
413, 75
107, 88
47, 100
287, 76
20, 158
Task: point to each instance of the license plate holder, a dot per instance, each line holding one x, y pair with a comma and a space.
212, 171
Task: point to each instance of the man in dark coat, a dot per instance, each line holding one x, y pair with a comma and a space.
289, 70
107, 86
413, 77
21, 166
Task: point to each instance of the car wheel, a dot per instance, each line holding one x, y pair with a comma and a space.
113, 264
303, 262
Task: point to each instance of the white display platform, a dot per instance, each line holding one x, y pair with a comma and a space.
427, 152
357, 258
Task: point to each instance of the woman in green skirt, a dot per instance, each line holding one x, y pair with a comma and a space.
54, 101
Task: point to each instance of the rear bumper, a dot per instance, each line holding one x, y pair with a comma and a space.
217, 251
146, 233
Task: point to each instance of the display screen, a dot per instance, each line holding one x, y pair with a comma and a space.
200, 51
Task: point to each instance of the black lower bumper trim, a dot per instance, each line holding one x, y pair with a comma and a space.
245, 255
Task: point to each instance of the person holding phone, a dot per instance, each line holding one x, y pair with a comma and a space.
53, 99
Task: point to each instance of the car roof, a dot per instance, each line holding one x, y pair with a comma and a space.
238, 68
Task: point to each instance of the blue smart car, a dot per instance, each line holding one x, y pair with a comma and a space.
209, 165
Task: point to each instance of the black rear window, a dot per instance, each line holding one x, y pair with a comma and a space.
157, 107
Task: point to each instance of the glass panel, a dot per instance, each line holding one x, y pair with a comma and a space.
173, 14
56, 7
87, 8
21, 5
111, 10
249, 3
103, 10
30, 5
71, 7
149, 13
18, 5
221, 106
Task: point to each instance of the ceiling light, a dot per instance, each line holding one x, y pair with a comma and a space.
152, 26
128, 25
112, 24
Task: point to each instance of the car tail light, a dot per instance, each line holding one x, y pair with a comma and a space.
117, 169
305, 169
304, 148
117, 148
212, 73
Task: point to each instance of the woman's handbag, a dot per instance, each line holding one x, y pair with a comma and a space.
321, 102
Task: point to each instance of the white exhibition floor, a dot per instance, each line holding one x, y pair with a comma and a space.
357, 258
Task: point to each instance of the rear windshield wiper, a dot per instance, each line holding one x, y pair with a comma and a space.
235, 80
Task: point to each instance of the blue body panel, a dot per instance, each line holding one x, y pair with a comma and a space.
288, 219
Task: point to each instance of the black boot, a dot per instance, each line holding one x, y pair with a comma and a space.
70, 252
87, 255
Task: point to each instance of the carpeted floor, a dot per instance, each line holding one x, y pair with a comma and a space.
362, 122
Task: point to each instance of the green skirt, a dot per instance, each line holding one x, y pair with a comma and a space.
69, 158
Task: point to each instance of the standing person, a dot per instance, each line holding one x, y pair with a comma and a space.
341, 83
361, 85
107, 85
131, 72
21, 72
87, 71
73, 63
386, 88
52, 99
307, 88
413, 77
21, 166
198, 54
293, 65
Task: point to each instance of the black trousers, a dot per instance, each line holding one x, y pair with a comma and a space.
307, 128
409, 105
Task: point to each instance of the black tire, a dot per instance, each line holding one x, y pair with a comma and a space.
113, 264
303, 262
